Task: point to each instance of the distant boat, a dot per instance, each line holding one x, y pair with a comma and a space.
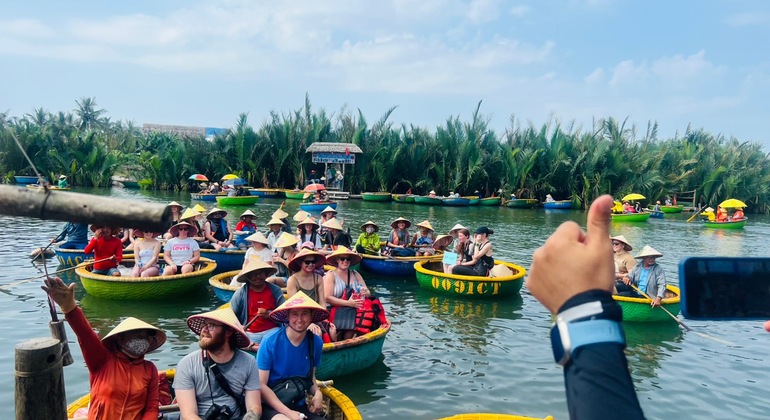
561, 204
489, 201
22, 180
733, 224
267, 192
522, 203
376, 196
429, 201
403, 198
456, 201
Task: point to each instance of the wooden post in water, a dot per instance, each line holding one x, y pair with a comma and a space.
40, 380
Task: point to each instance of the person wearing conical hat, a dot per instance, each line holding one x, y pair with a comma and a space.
305, 279
285, 250
423, 240
432, 194
463, 248
624, 261
200, 209
253, 303
455, 228
244, 228
275, 231
647, 276
259, 250
334, 237
327, 214
74, 235
368, 241
292, 351
195, 382
308, 232
194, 217
345, 290
63, 182
283, 217
146, 251
398, 239
181, 252
301, 215
216, 230
107, 250
176, 211
123, 384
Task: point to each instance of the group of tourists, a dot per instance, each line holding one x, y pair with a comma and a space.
721, 215
637, 279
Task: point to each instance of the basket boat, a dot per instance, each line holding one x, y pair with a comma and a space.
456, 201
294, 194
561, 204
474, 200
394, 266
376, 196
489, 201
493, 416
246, 200
222, 285
639, 309
206, 196
672, 209
267, 192
430, 276
737, 224
428, 201
226, 260
52, 187
24, 180
317, 207
522, 203
631, 217
403, 198
72, 257
353, 355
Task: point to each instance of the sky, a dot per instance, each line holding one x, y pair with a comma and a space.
202, 63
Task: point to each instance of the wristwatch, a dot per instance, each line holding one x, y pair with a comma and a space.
580, 326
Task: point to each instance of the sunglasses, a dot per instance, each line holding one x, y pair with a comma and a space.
308, 262
615, 243
343, 259
183, 228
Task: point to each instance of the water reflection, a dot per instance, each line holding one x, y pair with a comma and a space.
368, 386
648, 345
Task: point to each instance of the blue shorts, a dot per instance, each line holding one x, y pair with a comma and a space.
107, 272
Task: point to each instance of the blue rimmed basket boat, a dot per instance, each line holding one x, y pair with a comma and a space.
72, 257
561, 204
267, 192
393, 266
456, 201
24, 180
226, 260
317, 207
223, 285
206, 196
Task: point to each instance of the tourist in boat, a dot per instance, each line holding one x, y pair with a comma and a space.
146, 251
244, 228
657, 206
107, 250
195, 382
176, 211
327, 214
708, 214
307, 279
628, 208
637, 207
74, 235
334, 237
123, 384
213, 188
648, 277
308, 232
668, 201
253, 303
181, 252
738, 215
63, 182
194, 217
259, 250
548, 198
624, 262
368, 241
345, 290
464, 248
216, 230
290, 353
274, 232
285, 250
126, 237
398, 240
281, 215
423, 240
432, 194
481, 261
721, 214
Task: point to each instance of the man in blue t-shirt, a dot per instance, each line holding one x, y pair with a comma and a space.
286, 353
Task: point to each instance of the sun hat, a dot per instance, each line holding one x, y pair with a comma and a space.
247, 213
62, 176
301, 215
442, 241
432, 192
456, 227
274, 221
215, 183
227, 317
189, 214
156, 335
286, 239
648, 251
332, 223
175, 204
708, 209
370, 223
279, 214
174, 230
308, 221
199, 208
216, 210
254, 265
307, 245
394, 224
258, 237
343, 251
620, 238
97, 226
485, 230
425, 224
300, 300
294, 263
329, 209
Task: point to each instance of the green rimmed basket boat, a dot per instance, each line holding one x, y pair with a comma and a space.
631, 217
403, 198
639, 309
428, 201
376, 196
522, 203
267, 192
431, 277
294, 194
672, 209
490, 201
145, 288
738, 224
473, 200
246, 200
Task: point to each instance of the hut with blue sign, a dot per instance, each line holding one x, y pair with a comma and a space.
336, 155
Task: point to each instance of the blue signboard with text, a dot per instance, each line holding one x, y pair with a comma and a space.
333, 157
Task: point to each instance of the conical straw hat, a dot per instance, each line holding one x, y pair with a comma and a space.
425, 224
258, 237
248, 213
174, 230
255, 265
457, 227
200, 209
621, 238
216, 210
190, 213
157, 336
394, 224
225, 316
370, 223
343, 251
442, 241
301, 215
332, 223
309, 221
286, 239
329, 209
175, 204
274, 221
648, 251
294, 263
279, 214
299, 301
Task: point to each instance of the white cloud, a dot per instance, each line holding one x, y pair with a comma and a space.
595, 76
26, 28
685, 70
483, 11
626, 72
518, 11
747, 19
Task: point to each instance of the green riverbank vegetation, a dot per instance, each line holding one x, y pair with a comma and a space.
462, 155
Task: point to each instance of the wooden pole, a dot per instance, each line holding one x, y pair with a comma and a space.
58, 332
39, 378
83, 208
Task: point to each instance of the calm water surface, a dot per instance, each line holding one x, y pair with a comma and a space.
448, 355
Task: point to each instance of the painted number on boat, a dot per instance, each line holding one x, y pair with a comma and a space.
463, 287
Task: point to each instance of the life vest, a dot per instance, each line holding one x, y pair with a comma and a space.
370, 316
221, 233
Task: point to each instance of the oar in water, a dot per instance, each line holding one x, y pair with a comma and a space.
675, 318
696, 213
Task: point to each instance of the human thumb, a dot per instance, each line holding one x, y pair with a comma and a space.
598, 223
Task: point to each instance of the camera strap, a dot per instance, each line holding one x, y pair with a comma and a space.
222, 381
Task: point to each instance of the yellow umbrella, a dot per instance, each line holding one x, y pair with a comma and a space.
634, 196
230, 176
732, 203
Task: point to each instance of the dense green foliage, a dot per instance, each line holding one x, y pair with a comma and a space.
461, 156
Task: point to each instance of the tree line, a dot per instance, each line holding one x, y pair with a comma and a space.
564, 160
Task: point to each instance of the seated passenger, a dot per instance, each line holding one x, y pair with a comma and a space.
345, 291
423, 240
181, 252
307, 279
398, 240
107, 249
244, 228
368, 241
146, 252
482, 261
721, 214
738, 215
308, 232
253, 303
334, 237
258, 251
216, 230
548, 198
285, 250
274, 226
76, 235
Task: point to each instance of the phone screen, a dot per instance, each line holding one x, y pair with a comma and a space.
725, 288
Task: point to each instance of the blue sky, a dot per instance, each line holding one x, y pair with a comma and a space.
704, 63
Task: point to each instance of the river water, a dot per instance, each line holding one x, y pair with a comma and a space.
448, 355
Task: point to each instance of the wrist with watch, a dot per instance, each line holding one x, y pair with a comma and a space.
588, 323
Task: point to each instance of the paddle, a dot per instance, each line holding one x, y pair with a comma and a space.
675, 318
9, 285
697, 212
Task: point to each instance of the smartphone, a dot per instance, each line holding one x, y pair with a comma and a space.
725, 288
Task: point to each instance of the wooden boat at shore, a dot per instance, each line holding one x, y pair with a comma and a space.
431, 276
376, 196
456, 201
145, 288
493, 416
490, 201
335, 404
206, 196
638, 309
394, 266
403, 198
560, 204
317, 207
229, 260
522, 203
630, 217
732, 224
428, 201
267, 192
294, 194
245, 200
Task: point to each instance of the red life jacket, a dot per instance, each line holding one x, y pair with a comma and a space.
370, 316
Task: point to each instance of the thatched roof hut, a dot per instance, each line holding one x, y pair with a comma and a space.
327, 147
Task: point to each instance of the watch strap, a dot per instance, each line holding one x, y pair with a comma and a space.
595, 331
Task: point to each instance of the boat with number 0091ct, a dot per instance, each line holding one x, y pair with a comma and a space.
431, 276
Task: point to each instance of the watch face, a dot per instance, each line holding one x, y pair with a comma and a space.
557, 346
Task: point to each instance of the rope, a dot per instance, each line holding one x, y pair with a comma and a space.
55, 366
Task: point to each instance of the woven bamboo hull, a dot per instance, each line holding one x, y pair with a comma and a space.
223, 286
561, 204
397, 266
206, 197
376, 196
294, 195
23, 180
431, 278
145, 288
403, 198
639, 309
474, 200
489, 201
238, 201
656, 214
267, 192
317, 207
226, 260
631, 217
725, 225
672, 209
522, 203
428, 201
353, 355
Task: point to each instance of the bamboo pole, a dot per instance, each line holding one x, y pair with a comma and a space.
83, 208
39, 380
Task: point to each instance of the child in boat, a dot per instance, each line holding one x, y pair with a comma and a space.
259, 250
107, 249
424, 239
146, 250
244, 228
